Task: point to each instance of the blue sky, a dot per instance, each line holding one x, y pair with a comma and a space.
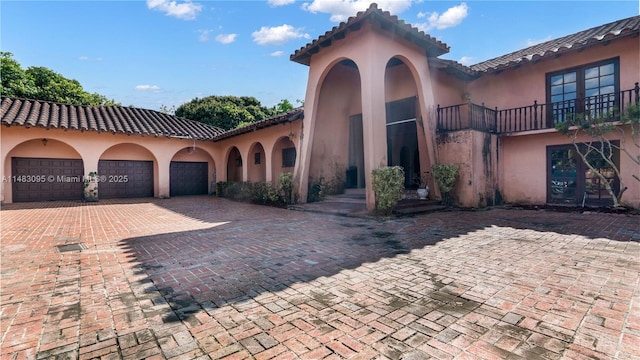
167, 52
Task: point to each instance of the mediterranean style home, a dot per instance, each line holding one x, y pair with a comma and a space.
377, 95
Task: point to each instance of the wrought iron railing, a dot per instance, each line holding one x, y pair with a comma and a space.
532, 117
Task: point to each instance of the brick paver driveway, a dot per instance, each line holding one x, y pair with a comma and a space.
201, 277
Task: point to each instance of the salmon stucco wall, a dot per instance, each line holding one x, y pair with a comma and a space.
18, 141
524, 84
370, 48
476, 154
524, 167
270, 140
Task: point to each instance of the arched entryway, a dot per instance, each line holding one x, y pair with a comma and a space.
43, 170
405, 136
337, 144
234, 165
191, 172
127, 171
257, 164
283, 158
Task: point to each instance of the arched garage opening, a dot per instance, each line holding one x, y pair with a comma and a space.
126, 171
44, 170
190, 173
234, 165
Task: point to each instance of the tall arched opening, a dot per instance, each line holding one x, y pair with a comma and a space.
406, 144
338, 133
257, 164
234, 165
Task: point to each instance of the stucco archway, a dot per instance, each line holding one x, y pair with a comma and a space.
257, 163
337, 135
43, 169
192, 171
127, 170
283, 157
234, 165
406, 143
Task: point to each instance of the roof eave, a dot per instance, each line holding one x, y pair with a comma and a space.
432, 46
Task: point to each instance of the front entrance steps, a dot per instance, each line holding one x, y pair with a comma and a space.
409, 206
353, 203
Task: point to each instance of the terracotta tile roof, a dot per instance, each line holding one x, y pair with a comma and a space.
388, 22
292, 115
580, 40
454, 68
112, 119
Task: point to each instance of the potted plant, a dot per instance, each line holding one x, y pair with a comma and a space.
422, 180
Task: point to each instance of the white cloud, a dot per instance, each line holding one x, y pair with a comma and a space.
204, 35
467, 60
277, 53
185, 11
453, 16
277, 35
226, 38
275, 3
340, 10
87, 58
531, 42
152, 88
422, 15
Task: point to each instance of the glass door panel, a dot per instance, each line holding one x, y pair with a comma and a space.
563, 176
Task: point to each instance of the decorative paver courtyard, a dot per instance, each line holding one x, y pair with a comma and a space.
202, 277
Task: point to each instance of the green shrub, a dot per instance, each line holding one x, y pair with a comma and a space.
264, 193
316, 190
445, 176
388, 187
234, 190
221, 186
285, 188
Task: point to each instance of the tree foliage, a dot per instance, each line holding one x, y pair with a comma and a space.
598, 137
41, 83
225, 112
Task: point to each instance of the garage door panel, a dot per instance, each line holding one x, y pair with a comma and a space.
47, 188
188, 178
138, 175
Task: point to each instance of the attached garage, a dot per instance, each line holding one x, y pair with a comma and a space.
188, 178
40, 179
125, 179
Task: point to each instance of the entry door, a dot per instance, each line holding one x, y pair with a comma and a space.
571, 181
402, 139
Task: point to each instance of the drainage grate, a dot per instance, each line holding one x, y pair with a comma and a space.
70, 247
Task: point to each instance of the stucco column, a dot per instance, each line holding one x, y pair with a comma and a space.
373, 123
91, 184
268, 162
163, 184
303, 159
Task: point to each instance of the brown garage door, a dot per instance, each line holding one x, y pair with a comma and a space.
188, 178
125, 179
36, 179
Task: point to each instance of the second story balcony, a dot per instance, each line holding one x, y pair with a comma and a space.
533, 117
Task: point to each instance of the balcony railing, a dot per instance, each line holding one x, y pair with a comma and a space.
532, 117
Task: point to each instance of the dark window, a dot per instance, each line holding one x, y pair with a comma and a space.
256, 158
571, 181
591, 88
289, 157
